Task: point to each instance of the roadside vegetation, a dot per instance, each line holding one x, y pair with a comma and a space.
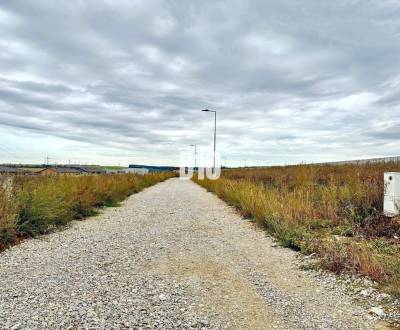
332, 211
30, 206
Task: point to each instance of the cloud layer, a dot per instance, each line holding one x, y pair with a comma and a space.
124, 81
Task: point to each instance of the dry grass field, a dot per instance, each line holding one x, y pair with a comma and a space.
30, 206
333, 211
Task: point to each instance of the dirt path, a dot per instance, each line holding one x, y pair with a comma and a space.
173, 256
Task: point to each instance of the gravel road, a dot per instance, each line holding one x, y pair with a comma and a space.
173, 256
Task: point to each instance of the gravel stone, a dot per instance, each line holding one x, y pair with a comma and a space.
378, 311
172, 257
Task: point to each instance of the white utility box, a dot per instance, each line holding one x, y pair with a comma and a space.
391, 202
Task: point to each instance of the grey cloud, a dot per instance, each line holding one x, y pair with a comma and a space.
392, 98
132, 75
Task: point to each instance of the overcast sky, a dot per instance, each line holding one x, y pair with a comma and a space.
123, 81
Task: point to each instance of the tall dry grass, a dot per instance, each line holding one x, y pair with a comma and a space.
34, 205
8, 212
333, 211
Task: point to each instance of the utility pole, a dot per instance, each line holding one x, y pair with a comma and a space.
47, 161
215, 132
195, 155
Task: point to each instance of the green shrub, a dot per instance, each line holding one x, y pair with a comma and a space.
41, 206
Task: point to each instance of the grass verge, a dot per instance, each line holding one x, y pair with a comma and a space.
31, 206
332, 211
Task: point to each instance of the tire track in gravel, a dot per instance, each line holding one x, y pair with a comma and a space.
172, 257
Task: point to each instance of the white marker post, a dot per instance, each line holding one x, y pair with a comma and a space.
391, 201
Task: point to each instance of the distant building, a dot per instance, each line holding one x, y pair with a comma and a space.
31, 171
91, 170
128, 170
115, 171
72, 170
137, 170
8, 170
153, 169
61, 170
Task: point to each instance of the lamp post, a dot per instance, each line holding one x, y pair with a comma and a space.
195, 155
215, 131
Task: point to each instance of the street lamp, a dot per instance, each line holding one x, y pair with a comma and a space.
195, 155
215, 131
